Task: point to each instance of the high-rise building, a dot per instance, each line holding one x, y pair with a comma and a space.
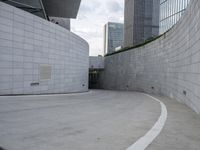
141, 21
113, 36
170, 12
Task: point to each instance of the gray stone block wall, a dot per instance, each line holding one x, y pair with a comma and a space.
169, 66
28, 44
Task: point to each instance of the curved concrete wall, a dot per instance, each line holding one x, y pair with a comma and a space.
37, 56
169, 66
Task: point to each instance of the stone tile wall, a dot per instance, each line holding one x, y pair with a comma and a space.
28, 42
169, 66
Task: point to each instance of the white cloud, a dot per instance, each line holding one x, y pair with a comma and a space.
92, 17
114, 6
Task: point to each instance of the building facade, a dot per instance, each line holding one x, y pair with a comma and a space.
168, 66
170, 12
113, 36
35, 7
63, 22
38, 56
141, 21
58, 12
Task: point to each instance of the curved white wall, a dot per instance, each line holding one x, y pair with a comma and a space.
169, 66
31, 47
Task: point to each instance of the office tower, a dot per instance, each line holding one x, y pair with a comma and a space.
113, 36
141, 21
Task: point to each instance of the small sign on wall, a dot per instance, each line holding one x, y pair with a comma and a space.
45, 72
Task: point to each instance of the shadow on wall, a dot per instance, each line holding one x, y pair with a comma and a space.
168, 66
2, 148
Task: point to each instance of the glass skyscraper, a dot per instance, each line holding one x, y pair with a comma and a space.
113, 36
141, 21
170, 12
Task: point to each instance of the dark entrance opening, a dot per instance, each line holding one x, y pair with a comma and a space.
94, 78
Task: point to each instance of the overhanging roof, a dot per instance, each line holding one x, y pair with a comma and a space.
62, 8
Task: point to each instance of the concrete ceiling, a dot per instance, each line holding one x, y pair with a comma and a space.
62, 8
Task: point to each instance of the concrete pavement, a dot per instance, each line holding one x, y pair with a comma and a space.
100, 120
182, 129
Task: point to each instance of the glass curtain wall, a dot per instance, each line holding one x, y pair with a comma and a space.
170, 12
113, 36
33, 6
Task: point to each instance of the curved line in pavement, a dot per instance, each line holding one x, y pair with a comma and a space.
149, 137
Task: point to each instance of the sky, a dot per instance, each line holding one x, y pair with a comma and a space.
92, 16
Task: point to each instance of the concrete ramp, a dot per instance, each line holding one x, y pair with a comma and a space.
98, 120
